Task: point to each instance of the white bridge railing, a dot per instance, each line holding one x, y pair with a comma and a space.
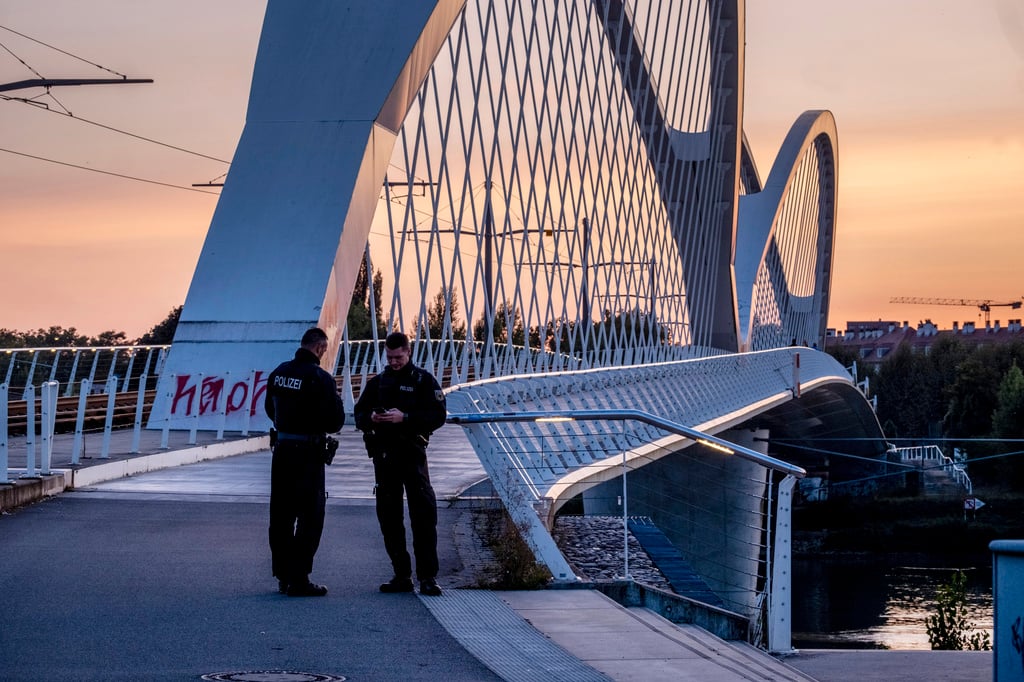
932, 457
540, 453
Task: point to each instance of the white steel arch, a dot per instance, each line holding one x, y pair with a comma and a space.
786, 237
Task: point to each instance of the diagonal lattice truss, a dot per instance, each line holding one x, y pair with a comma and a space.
522, 187
553, 185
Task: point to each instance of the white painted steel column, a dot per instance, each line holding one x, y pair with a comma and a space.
113, 368
625, 520
780, 601
165, 433
83, 401
250, 397
48, 410
223, 409
109, 422
30, 431
31, 373
139, 405
194, 419
4, 474
10, 367
71, 376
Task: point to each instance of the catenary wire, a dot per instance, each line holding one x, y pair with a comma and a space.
97, 170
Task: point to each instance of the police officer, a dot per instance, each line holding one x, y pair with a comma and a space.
303, 403
397, 411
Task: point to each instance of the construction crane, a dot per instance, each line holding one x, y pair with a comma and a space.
984, 306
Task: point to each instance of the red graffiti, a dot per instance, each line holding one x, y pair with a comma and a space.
213, 396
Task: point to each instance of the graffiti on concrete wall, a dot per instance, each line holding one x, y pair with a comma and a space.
196, 394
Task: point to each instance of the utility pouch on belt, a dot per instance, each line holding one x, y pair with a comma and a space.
330, 449
273, 437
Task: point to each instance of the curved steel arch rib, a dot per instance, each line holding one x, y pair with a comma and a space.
330, 89
785, 240
333, 87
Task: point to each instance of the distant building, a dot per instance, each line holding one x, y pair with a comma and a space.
874, 340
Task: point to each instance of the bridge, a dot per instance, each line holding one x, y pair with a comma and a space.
557, 202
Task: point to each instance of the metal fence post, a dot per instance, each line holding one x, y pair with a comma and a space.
109, 422
83, 401
30, 431
165, 434
223, 411
4, 473
139, 404
48, 416
194, 419
780, 600
250, 397
625, 521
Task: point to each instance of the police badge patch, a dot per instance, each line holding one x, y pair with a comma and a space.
439, 396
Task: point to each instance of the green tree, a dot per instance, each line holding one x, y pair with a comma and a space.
359, 319
902, 388
1008, 417
162, 333
844, 355
972, 395
10, 338
109, 338
502, 319
445, 307
55, 337
631, 327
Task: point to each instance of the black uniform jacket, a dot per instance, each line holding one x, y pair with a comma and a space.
412, 390
302, 398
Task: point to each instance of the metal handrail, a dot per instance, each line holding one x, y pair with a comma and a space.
700, 437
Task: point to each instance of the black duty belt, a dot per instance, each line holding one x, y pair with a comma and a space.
284, 436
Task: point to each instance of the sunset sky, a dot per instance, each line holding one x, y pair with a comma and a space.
928, 97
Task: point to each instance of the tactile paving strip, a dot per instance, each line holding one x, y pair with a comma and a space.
492, 631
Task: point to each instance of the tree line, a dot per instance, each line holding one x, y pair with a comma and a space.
954, 391
60, 337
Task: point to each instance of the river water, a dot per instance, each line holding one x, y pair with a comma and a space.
881, 601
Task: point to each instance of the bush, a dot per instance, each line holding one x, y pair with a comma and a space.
517, 567
949, 629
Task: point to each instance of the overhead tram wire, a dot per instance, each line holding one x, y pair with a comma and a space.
47, 83
32, 102
97, 170
64, 52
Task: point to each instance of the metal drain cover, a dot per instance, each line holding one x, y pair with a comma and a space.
272, 676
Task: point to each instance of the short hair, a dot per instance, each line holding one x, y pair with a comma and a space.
396, 340
314, 336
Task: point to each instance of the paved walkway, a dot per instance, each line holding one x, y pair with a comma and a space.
165, 575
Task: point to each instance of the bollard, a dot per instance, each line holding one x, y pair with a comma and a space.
108, 424
30, 432
1008, 609
48, 414
83, 400
5, 477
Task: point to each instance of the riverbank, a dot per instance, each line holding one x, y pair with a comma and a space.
907, 524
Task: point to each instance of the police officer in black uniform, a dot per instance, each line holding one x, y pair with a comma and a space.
397, 411
303, 403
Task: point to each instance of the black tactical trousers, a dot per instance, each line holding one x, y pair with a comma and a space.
406, 471
297, 504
